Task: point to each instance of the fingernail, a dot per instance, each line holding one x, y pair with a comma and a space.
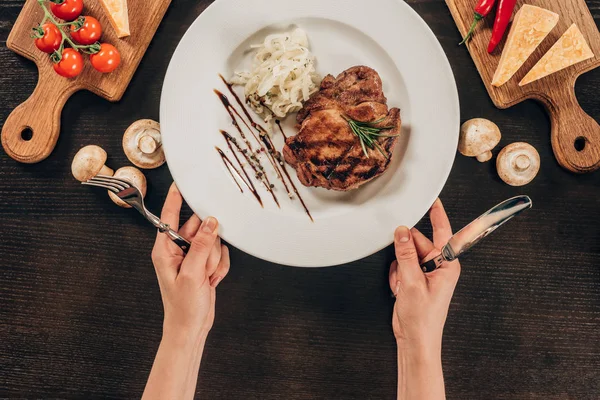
209, 225
215, 281
402, 234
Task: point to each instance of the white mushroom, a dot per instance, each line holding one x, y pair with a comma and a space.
133, 176
89, 162
142, 144
478, 137
518, 163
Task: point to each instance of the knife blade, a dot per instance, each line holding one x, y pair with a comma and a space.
471, 234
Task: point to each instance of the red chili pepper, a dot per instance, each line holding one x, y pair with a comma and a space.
482, 9
503, 15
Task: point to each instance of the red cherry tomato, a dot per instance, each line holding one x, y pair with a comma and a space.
51, 40
89, 33
107, 59
68, 10
70, 65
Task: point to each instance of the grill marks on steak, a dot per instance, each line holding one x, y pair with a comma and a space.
325, 152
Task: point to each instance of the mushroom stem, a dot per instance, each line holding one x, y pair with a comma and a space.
105, 171
146, 143
522, 162
483, 157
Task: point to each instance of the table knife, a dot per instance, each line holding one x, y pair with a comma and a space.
471, 234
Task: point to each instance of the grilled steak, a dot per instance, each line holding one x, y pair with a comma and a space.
326, 152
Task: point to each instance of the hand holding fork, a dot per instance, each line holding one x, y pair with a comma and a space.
132, 196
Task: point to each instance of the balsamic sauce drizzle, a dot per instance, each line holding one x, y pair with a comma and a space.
269, 144
231, 168
252, 159
278, 122
233, 113
232, 142
272, 154
261, 131
249, 183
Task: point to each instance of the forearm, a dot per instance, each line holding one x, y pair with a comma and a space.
175, 370
420, 374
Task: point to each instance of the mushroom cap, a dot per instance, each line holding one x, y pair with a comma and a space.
142, 144
88, 161
477, 136
133, 176
518, 163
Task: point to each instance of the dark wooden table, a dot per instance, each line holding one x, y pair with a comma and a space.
80, 310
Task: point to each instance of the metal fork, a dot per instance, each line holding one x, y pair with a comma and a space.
127, 192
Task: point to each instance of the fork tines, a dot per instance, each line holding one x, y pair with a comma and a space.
113, 184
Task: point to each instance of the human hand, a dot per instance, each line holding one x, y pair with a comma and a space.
422, 300
187, 282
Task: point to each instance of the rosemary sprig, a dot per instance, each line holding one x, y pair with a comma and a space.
369, 134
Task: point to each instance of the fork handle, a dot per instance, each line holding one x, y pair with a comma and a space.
179, 240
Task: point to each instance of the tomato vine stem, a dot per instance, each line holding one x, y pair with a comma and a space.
57, 55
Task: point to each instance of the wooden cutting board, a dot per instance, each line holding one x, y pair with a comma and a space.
575, 135
30, 132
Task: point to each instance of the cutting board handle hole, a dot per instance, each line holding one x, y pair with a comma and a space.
26, 134
580, 143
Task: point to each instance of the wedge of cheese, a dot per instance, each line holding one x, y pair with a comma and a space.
530, 27
118, 15
570, 49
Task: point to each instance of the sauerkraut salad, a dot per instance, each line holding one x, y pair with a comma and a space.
282, 76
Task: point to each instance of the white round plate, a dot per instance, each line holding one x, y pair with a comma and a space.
386, 35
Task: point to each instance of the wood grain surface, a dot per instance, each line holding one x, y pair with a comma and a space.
570, 124
80, 309
41, 112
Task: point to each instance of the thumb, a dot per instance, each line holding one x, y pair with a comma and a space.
203, 242
409, 271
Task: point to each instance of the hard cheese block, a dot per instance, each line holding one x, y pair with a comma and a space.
118, 14
570, 49
530, 27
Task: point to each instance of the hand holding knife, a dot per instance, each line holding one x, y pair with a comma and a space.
471, 234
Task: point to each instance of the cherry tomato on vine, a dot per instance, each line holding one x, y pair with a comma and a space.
50, 39
68, 10
89, 33
70, 65
107, 59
